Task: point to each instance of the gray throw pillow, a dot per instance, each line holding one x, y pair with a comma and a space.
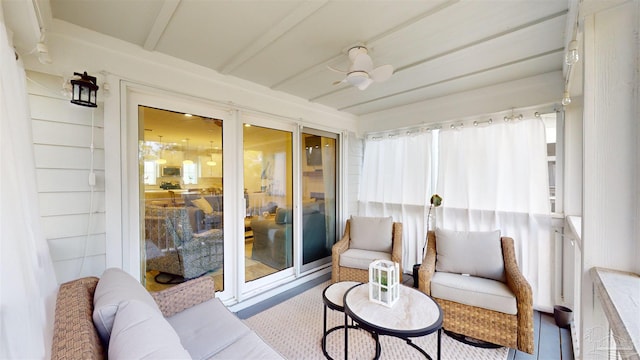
116, 286
371, 233
139, 332
477, 253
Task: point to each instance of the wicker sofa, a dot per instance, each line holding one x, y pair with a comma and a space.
115, 317
513, 330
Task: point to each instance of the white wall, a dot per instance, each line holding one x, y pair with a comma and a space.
73, 224
62, 155
610, 188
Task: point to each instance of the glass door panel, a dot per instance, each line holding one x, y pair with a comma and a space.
268, 192
318, 197
181, 212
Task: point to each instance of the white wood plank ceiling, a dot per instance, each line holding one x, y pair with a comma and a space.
437, 47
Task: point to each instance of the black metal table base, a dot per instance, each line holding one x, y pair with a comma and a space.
345, 326
471, 341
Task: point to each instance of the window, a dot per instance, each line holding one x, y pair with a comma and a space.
189, 173
550, 124
150, 172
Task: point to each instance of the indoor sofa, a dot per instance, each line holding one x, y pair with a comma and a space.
273, 236
115, 317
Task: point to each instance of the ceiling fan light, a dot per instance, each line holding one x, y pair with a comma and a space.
359, 79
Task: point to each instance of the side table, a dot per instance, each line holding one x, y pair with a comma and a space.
333, 297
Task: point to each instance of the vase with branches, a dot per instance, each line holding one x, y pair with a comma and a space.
435, 201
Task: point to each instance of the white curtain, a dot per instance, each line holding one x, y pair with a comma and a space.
396, 182
328, 146
27, 280
495, 177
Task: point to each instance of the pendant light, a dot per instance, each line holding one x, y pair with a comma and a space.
160, 159
211, 162
186, 161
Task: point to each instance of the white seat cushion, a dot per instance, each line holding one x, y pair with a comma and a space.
360, 259
207, 328
474, 291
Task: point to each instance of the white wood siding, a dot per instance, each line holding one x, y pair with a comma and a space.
610, 196
73, 219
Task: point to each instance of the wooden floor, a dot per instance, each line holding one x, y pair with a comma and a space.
551, 342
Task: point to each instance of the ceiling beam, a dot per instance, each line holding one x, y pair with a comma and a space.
456, 49
321, 66
303, 11
458, 77
160, 25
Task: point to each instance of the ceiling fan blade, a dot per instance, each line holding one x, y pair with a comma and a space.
362, 62
336, 70
365, 84
382, 73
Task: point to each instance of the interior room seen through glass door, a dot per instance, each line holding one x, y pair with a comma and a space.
318, 197
180, 162
268, 192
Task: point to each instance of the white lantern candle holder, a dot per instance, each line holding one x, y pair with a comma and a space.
384, 282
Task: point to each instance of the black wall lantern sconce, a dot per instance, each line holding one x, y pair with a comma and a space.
84, 90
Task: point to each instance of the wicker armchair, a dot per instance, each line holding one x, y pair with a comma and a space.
514, 331
343, 273
173, 248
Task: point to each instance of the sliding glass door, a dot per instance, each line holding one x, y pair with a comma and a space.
181, 187
318, 165
268, 193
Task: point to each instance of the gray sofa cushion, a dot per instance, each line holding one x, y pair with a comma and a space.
207, 328
371, 233
477, 253
250, 346
116, 286
360, 259
140, 332
474, 291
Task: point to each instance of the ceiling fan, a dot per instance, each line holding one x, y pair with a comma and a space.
361, 73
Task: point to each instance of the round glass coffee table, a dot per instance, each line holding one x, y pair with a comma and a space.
414, 314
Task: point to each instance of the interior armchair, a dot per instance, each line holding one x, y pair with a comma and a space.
172, 247
476, 280
365, 240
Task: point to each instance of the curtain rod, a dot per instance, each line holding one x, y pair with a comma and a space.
479, 120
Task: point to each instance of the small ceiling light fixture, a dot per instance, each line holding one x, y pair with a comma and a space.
84, 90
571, 56
160, 160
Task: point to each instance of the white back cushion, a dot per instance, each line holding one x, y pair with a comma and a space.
477, 253
371, 233
116, 286
140, 332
